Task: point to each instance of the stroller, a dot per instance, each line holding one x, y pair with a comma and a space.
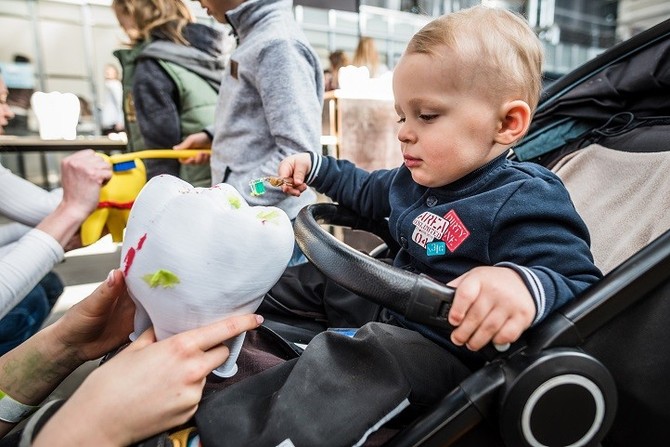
594, 372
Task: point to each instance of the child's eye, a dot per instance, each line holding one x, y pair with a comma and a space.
400, 120
427, 117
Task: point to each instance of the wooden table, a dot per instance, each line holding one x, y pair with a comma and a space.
22, 145
36, 144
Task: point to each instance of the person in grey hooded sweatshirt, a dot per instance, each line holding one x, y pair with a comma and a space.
171, 78
270, 101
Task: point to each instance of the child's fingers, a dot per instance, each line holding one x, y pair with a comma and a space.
464, 297
471, 309
487, 329
294, 190
510, 331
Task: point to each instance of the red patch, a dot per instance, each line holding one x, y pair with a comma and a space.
116, 205
456, 231
130, 255
141, 242
128, 260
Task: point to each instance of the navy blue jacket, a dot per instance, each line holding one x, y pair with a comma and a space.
505, 213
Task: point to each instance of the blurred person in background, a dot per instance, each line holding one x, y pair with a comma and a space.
112, 105
44, 225
21, 85
270, 101
6, 112
171, 77
366, 55
337, 59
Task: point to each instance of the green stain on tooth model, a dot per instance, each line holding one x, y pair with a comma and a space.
162, 278
235, 202
268, 215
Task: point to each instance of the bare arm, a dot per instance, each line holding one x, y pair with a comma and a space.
118, 403
88, 330
82, 175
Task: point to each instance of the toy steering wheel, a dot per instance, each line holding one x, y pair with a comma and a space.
417, 297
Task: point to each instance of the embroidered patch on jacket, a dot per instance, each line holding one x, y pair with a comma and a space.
456, 232
436, 248
233, 68
428, 227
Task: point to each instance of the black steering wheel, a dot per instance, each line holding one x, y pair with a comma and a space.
418, 297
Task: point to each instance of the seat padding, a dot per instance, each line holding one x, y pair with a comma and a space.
624, 198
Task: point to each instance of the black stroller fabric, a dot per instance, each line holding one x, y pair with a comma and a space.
325, 397
623, 105
633, 347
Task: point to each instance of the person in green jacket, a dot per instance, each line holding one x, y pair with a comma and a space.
171, 77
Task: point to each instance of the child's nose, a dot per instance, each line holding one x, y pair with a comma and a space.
405, 134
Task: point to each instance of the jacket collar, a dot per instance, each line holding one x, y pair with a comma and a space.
252, 13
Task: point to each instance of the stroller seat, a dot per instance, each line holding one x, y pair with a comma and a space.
623, 197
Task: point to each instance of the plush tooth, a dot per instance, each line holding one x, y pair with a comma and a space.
192, 256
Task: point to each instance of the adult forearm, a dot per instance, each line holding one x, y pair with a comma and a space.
23, 201
31, 371
64, 222
24, 265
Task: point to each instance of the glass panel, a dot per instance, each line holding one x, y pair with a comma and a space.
315, 16
375, 25
345, 21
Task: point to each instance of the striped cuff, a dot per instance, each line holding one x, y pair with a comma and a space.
534, 285
316, 166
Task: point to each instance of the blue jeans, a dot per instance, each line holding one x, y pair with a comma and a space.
27, 317
298, 257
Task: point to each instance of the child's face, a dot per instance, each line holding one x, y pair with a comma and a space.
447, 130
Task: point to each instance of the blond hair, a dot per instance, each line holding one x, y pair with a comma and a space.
165, 17
366, 55
495, 48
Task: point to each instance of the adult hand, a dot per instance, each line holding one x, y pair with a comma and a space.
99, 323
199, 140
91, 328
490, 304
147, 388
82, 175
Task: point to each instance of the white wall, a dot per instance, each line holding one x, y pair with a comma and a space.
70, 55
638, 15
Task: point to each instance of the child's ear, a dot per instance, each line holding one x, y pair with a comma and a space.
514, 121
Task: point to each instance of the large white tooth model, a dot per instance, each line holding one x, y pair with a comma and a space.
192, 256
57, 114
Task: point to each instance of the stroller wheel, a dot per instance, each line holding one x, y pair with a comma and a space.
558, 398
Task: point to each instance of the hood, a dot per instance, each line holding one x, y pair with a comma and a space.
204, 56
251, 13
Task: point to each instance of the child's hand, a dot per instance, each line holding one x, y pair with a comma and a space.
296, 167
491, 304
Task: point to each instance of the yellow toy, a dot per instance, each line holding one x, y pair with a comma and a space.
118, 195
